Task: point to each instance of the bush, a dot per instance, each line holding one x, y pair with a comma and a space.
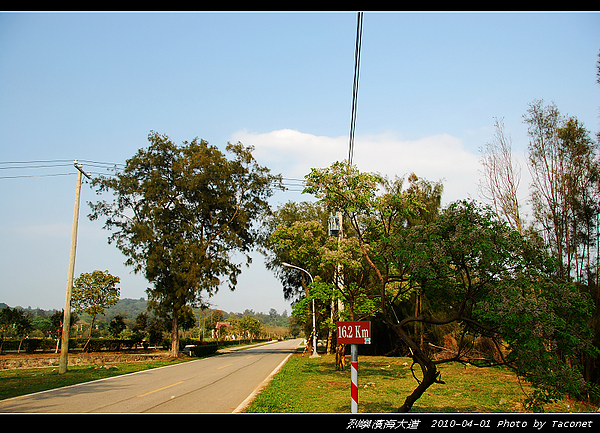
32, 345
203, 350
104, 344
28, 345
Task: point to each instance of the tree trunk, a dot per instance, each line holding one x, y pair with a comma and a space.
174, 337
340, 357
430, 375
330, 333
429, 369
90, 335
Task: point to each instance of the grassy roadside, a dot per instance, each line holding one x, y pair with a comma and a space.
22, 381
306, 385
16, 382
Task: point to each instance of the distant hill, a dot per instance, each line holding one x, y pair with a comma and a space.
131, 308
128, 308
32, 312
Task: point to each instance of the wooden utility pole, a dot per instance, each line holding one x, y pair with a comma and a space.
64, 345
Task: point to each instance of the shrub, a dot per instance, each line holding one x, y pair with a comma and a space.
203, 350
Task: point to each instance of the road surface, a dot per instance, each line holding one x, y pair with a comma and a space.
218, 384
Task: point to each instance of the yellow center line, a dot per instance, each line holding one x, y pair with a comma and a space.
160, 389
231, 363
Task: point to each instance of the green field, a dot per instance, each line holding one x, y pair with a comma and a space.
312, 385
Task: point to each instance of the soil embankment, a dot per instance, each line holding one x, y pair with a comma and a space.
12, 361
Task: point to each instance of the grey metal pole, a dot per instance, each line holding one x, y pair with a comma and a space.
314, 354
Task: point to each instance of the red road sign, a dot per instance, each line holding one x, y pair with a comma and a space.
354, 332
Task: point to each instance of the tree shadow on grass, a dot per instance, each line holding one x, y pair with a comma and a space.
383, 384
376, 407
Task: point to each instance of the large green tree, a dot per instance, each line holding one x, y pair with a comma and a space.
93, 293
182, 214
476, 276
564, 162
248, 326
379, 212
492, 282
286, 220
299, 235
16, 322
565, 166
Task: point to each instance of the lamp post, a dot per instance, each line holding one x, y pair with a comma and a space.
315, 354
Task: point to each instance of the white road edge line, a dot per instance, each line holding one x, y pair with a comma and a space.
260, 387
92, 381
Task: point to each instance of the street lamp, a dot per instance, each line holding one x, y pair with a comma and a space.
315, 354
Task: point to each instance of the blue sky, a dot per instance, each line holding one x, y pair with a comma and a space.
91, 86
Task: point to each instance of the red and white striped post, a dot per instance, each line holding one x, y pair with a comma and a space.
353, 333
354, 378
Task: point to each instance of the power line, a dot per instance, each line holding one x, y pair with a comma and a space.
102, 164
7, 166
291, 184
36, 175
40, 161
357, 49
33, 166
55, 163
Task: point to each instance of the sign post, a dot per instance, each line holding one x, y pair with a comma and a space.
354, 333
354, 378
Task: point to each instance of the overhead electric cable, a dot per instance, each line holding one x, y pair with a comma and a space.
291, 184
46, 165
41, 161
14, 167
357, 49
36, 175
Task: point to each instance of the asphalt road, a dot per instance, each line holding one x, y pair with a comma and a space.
218, 384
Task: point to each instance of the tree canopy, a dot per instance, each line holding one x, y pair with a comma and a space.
94, 292
180, 214
467, 272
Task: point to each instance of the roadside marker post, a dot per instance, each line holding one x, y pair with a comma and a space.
354, 378
353, 333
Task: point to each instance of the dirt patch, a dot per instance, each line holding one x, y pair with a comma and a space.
12, 361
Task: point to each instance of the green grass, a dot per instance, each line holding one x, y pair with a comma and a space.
26, 381
21, 381
306, 385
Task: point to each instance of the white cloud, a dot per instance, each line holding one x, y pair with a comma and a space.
292, 152
438, 157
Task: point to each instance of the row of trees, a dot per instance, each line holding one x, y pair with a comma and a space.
564, 164
19, 325
181, 214
502, 292
440, 284
465, 275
